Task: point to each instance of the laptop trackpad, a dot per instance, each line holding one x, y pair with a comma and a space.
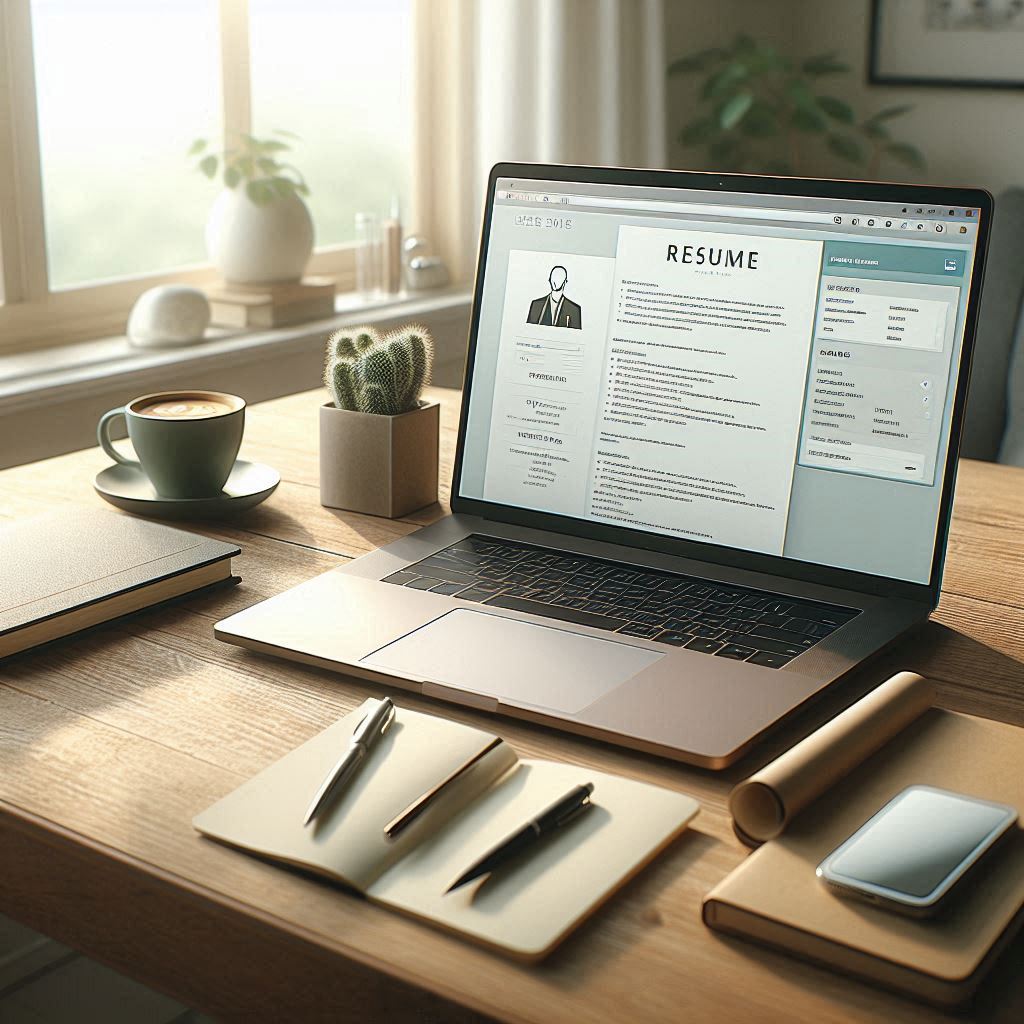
515, 661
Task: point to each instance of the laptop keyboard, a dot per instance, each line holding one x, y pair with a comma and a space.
684, 611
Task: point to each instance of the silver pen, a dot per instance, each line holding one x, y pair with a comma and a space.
373, 726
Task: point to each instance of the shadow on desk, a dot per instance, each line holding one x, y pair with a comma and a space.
1000, 1000
970, 676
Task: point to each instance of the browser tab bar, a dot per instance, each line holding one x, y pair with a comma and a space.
669, 206
860, 221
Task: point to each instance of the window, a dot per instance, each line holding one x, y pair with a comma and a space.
100, 99
347, 102
119, 199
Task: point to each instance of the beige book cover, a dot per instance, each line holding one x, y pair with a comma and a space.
525, 909
816, 795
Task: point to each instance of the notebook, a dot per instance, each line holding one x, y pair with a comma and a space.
774, 895
65, 572
524, 910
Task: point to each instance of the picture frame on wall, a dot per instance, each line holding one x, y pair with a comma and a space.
961, 43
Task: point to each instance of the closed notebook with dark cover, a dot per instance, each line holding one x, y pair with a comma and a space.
64, 572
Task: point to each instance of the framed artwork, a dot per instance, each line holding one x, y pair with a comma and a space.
974, 43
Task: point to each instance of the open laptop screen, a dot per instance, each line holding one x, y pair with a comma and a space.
773, 374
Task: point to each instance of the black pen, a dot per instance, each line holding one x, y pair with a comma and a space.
558, 814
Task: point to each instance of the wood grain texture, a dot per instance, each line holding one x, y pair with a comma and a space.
112, 741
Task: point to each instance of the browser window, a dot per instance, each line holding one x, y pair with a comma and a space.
769, 373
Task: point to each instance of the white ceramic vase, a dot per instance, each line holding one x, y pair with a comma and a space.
259, 244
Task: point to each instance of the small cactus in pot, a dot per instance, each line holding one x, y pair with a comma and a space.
378, 437
381, 375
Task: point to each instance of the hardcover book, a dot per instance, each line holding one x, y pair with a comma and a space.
66, 572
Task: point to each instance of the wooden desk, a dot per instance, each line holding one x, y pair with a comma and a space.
110, 743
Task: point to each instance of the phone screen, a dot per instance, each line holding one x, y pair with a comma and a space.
917, 840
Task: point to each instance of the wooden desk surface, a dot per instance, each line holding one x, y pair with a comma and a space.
110, 743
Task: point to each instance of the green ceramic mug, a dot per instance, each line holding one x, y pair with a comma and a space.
186, 441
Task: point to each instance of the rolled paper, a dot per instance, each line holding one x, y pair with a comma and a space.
763, 805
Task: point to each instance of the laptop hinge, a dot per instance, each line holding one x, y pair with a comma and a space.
480, 701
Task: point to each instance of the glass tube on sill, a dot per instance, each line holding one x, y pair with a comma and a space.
368, 255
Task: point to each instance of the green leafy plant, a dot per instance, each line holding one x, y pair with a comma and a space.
366, 372
761, 110
257, 162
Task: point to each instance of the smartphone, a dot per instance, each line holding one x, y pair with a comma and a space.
916, 849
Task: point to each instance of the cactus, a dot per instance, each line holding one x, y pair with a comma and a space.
382, 375
348, 344
342, 385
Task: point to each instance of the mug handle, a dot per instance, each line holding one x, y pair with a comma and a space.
103, 436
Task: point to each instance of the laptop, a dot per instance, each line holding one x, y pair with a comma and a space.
705, 461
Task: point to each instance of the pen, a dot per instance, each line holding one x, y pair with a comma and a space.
418, 806
554, 817
375, 724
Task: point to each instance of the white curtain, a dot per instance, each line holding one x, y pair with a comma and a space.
549, 81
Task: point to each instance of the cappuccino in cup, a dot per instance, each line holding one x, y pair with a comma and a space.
189, 406
186, 441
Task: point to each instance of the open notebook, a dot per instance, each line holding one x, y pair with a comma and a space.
525, 909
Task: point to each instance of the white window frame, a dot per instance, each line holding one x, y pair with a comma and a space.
31, 315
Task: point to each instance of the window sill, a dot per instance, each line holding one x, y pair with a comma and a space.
51, 399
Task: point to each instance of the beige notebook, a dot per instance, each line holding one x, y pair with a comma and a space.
525, 909
809, 800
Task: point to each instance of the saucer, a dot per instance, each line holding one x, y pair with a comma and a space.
129, 488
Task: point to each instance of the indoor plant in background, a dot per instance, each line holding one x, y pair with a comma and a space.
378, 438
764, 111
260, 230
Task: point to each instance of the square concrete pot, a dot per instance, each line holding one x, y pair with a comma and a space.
380, 465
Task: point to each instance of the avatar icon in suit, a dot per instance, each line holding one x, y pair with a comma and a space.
554, 309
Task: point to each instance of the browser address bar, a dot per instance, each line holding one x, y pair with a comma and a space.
670, 206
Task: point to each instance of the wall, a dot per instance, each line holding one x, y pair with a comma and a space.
970, 136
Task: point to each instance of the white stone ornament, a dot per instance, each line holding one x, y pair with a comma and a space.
168, 315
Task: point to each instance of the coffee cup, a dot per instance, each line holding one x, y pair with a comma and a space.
187, 441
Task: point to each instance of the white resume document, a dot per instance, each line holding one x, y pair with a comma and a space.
676, 408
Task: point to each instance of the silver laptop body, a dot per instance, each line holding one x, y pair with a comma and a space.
705, 463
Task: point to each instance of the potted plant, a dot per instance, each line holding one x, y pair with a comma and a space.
762, 110
378, 438
260, 233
